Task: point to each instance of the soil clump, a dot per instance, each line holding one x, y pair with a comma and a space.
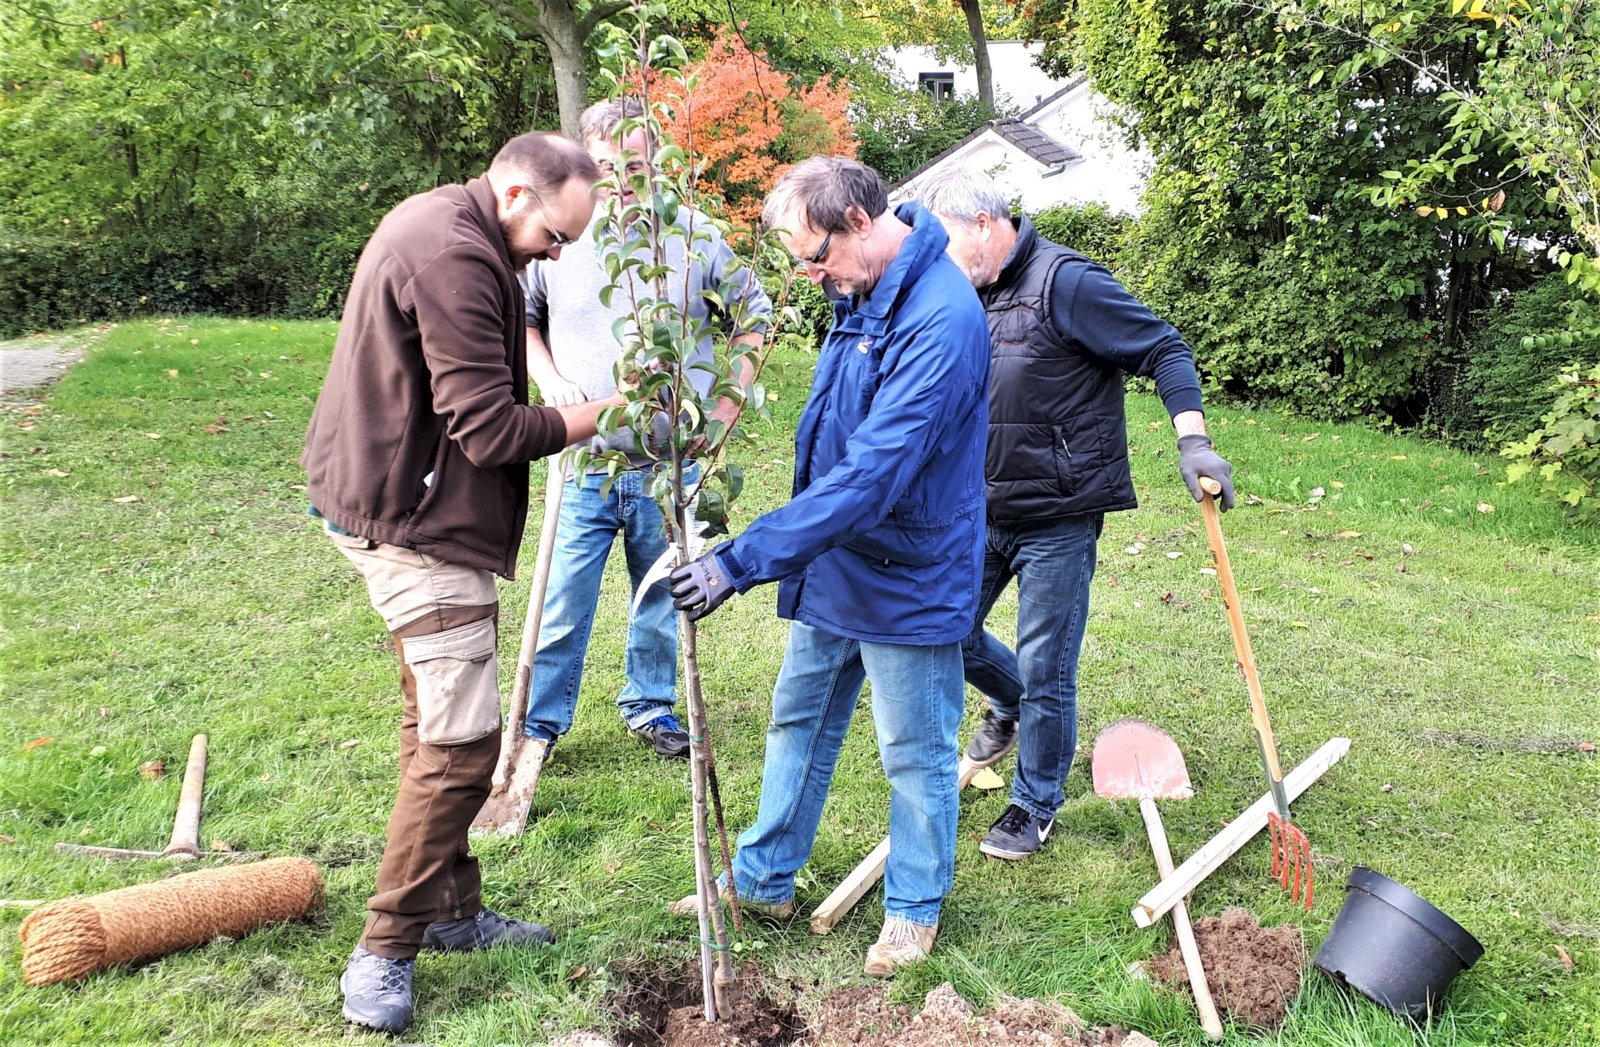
1253, 971
663, 1008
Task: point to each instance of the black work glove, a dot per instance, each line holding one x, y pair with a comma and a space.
700, 586
1196, 458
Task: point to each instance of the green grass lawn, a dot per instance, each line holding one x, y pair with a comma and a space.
159, 578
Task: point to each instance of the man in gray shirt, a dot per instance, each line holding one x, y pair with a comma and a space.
572, 350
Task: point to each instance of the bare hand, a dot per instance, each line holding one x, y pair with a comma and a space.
558, 392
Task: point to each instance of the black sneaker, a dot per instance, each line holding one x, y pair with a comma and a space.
666, 736
993, 742
1017, 834
377, 991
482, 930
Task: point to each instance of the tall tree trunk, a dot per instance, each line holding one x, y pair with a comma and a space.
980, 51
565, 39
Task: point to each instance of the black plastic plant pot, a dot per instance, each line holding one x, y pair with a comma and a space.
1394, 948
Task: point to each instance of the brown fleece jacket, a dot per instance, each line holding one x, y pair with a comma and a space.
422, 435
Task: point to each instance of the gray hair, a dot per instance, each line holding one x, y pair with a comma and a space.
822, 189
600, 120
963, 193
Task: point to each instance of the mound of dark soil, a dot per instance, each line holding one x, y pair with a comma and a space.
1253, 971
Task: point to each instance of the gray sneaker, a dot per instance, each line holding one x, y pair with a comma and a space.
377, 991
481, 930
1016, 834
993, 742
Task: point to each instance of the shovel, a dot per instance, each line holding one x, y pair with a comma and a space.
505, 812
1137, 760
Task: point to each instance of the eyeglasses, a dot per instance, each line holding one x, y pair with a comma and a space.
557, 237
821, 255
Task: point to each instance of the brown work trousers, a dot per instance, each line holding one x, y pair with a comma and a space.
446, 760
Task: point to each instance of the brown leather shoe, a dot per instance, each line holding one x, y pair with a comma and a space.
690, 906
899, 944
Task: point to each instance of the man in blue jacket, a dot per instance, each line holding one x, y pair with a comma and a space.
1064, 331
879, 553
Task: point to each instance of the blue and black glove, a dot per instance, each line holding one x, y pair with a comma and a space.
1197, 458
700, 586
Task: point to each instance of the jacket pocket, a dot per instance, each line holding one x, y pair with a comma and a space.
458, 695
1069, 466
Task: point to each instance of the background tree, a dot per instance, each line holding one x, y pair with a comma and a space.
746, 122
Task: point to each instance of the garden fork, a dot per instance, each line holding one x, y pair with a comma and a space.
1291, 851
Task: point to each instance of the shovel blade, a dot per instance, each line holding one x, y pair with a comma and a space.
1138, 760
505, 812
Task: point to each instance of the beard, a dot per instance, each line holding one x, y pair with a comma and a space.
516, 230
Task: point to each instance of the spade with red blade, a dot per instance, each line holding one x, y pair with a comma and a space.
1138, 760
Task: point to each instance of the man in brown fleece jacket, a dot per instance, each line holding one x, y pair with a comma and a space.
418, 463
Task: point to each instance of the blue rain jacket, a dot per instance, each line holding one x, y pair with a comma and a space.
883, 539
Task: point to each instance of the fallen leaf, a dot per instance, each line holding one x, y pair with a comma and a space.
150, 770
25, 426
612, 867
1400, 567
36, 743
1174, 555
56, 473
1347, 534
1166, 597
222, 846
1133, 550
1336, 485
1586, 747
7, 839
1298, 625
1212, 571
577, 972
1405, 549
351, 744
1386, 787
1565, 958
172, 372
266, 776
1397, 458
153, 436
127, 499
1485, 507
1252, 500
98, 750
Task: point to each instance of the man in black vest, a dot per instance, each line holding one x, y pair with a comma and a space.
1062, 332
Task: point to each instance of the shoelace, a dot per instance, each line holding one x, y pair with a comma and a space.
1014, 820
394, 975
898, 932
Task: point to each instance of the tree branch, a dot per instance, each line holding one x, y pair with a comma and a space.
599, 13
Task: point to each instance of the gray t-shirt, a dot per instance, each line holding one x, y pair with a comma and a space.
564, 306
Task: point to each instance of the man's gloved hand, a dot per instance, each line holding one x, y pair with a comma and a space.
700, 586
1196, 458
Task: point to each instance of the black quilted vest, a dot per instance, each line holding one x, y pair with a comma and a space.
1058, 437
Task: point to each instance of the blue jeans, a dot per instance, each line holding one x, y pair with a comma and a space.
1053, 562
917, 699
585, 531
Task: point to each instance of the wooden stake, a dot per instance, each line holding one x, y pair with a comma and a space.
1164, 895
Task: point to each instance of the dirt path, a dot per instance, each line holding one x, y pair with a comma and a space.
29, 365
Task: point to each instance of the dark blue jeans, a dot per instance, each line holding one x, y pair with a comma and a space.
1053, 563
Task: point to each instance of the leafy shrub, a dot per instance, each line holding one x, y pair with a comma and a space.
1090, 229
900, 130
1563, 455
1504, 384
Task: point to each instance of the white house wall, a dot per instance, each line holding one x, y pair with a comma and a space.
1016, 79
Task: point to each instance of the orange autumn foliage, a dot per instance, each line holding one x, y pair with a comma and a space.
748, 123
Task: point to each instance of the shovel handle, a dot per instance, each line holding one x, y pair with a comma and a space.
523, 682
1241, 637
1210, 1020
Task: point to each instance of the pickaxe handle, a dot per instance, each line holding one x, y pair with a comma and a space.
186, 826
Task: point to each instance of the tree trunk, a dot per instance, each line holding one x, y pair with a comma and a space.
980, 52
565, 40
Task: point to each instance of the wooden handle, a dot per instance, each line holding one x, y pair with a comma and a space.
186, 826
1210, 1020
1210, 486
522, 684
1202, 863
1241, 638
865, 874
